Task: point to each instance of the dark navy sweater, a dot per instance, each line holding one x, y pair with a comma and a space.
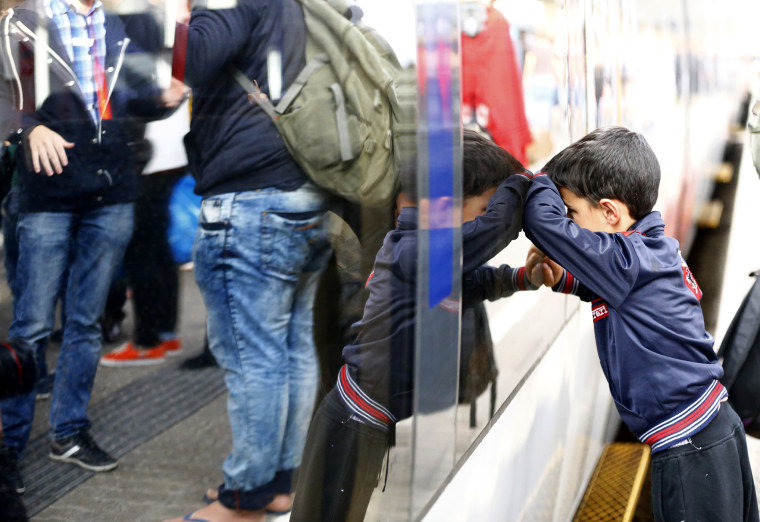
233, 146
650, 333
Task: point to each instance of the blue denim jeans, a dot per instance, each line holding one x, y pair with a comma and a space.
10, 244
258, 255
90, 244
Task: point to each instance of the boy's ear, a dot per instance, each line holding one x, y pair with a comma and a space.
611, 211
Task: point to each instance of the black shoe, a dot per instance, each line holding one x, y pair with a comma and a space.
9, 471
45, 386
111, 329
203, 360
82, 451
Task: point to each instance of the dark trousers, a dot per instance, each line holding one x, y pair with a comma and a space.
341, 465
709, 479
149, 266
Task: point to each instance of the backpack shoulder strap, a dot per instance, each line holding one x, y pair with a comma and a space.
253, 91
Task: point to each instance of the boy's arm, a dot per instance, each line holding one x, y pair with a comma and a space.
568, 284
605, 263
487, 235
492, 283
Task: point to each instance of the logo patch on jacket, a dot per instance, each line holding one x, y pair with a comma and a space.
599, 310
691, 282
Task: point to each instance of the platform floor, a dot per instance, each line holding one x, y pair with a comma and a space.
168, 459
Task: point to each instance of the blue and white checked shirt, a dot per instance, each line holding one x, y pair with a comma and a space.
84, 37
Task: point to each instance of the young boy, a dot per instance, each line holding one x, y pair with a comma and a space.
353, 426
650, 333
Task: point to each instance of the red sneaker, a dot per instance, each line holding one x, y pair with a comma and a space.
128, 355
172, 346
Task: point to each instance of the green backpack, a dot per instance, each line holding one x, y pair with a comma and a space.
348, 119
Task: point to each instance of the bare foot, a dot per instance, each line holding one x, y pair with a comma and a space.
281, 502
216, 512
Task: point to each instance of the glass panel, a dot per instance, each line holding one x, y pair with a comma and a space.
550, 64
439, 264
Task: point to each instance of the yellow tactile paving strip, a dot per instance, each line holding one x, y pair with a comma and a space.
616, 484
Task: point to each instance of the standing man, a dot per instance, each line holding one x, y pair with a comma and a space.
259, 248
65, 75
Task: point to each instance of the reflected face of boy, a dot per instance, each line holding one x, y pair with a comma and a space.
584, 213
474, 206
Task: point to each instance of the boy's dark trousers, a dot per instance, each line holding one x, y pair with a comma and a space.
341, 465
709, 479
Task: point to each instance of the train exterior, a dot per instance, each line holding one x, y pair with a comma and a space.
673, 71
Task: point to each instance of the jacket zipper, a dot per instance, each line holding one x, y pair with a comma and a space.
115, 75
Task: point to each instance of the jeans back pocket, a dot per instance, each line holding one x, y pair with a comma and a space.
292, 242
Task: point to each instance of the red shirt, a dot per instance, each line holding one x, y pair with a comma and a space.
492, 85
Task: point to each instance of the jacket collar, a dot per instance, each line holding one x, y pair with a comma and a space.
25, 15
407, 218
650, 225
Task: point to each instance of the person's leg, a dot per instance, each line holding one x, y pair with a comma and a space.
10, 242
153, 278
113, 313
44, 240
341, 464
250, 251
302, 367
707, 479
151, 268
101, 238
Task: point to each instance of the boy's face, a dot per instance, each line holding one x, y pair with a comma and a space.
474, 206
583, 212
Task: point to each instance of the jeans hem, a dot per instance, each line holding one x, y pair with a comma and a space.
257, 498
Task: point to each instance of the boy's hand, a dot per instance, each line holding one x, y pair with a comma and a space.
541, 270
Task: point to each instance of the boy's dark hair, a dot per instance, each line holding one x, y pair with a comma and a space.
611, 162
485, 166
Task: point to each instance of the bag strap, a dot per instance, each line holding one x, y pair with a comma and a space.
295, 88
342, 121
253, 91
314, 63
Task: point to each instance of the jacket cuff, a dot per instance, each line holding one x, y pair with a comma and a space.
567, 284
520, 280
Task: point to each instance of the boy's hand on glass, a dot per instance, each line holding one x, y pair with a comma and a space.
541, 270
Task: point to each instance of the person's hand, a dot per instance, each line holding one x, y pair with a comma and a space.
541, 270
175, 94
48, 150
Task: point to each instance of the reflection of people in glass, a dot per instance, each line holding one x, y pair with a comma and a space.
492, 95
75, 193
650, 333
354, 424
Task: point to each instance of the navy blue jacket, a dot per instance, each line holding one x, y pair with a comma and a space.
100, 169
650, 333
233, 145
378, 377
